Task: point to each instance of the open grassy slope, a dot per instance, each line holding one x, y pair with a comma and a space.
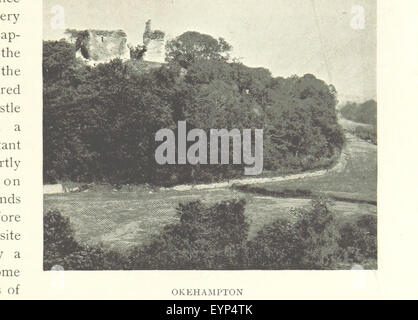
357, 180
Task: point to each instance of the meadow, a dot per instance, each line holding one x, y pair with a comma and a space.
357, 180
129, 217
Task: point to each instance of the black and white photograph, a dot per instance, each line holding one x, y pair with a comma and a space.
209, 135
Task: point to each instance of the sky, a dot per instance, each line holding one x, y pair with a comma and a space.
288, 37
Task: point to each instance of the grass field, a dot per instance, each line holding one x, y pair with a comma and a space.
358, 179
126, 218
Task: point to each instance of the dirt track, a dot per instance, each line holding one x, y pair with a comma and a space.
338, 167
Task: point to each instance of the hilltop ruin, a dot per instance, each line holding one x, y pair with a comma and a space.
154, 41
99, 46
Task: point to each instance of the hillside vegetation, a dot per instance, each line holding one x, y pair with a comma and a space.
365, 112
100, 122
215, 237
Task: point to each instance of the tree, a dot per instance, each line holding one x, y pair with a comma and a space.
318, 236
190, 46
364, 113
309, 243
57, 58
205, 238
358, 240
61, 248
100, 122
137, 52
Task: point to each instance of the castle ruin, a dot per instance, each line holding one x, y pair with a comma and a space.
100, 46
154, 41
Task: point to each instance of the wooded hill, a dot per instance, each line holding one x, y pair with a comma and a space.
100, 122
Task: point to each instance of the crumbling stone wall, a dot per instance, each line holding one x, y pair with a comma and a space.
154, 41
96, 46
100, 45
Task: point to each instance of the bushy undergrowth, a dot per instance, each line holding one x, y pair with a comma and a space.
61, 248
361, 112
216, 238
205, 238
367, 133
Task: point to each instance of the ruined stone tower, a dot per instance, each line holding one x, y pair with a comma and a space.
154, 41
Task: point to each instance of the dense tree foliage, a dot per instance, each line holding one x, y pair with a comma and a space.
358, 240
192, 46
100, 122
61, 248
309, 243
207, 237
216, 237
365, 113
361, 112
367, 133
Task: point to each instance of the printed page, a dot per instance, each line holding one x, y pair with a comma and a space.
207, 150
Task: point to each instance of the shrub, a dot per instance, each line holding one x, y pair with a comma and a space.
59, 239
307, 244
207, 237
215, 237
318, 234
364, 113
358, 240
61, 248
275, 247
366, 133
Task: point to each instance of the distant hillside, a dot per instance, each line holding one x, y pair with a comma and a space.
364, 113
